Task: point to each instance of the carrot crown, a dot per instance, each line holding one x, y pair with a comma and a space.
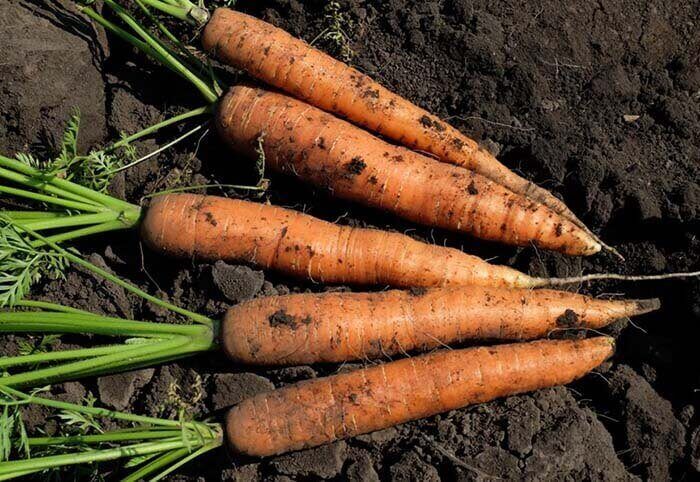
154, 446
68, 199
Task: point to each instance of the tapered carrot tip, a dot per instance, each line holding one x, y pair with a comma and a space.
322, 410
646, 306
585, 245
610, 349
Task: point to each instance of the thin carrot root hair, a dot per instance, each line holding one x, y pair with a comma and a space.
541, 282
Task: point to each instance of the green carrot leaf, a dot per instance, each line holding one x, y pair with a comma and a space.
28, 348
28, 159
82, 422
97, 170
69, 144
22, 264
13, 433
23, 439
5, 432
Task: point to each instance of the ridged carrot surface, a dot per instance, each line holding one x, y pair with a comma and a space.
290, 64
296, 244
336, 327
321, 410
321, 149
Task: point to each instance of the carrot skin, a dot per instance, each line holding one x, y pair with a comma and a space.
322, 410
320, 149
299, 245
290, 64
336, 327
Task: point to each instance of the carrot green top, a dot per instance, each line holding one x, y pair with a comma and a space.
155, 447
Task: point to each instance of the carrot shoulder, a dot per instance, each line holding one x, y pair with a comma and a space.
290, 64
336, 327
301, 140
319, 411
299, 245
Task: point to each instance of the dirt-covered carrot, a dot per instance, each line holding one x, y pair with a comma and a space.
322, 410
299, 245
336, 327
352, 164
308, 413
211, 227
290, 64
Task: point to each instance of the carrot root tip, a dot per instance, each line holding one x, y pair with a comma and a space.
645, 306
613, 251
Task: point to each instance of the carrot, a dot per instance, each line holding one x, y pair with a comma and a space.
319, 411
290, 64
336, 327
299, 245
352, 164
305, 414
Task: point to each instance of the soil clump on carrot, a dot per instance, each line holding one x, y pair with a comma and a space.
282, 318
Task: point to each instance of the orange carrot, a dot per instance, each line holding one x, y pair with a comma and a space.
210, 227
336, 327
290, 64
319, 148
299, 245
321, 410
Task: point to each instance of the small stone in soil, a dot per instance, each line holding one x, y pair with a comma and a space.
410, 467
236, 283
379, 437
325, 461
116, 390
231, 388
242, 473
361, 470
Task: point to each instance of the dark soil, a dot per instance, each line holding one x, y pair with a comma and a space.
597, 101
